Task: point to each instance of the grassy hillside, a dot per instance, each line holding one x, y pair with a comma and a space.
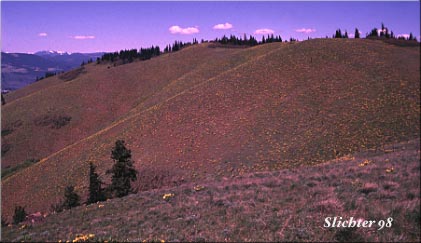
265, 206
211, 113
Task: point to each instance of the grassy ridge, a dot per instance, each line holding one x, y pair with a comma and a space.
284, 205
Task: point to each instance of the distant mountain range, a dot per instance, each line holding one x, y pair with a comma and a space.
21, 69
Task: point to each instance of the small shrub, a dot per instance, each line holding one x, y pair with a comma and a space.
61, 121
57, 208
292, 186
311, 184
3, 222
5, 132
410, 195
68, 76
5, 148
71, 198
53, 121
350, 205
368, 187
414, 216
20, 215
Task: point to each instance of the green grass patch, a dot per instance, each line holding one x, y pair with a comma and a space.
5, 132
12, 170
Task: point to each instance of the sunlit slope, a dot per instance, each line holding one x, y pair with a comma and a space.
97, 96
274, 106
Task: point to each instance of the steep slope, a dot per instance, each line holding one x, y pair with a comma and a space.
283, 205
205, 112
98, 96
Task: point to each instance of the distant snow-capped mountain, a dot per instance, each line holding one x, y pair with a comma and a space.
52, 53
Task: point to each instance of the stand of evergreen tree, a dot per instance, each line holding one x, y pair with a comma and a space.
250, 41
384, 33
47, 75
123, 172
338, 34
127, 56
147, 53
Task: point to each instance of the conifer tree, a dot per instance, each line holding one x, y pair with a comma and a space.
382, 31
338, 33
411, 37
373, 33
20, 215
357, 34
96, 193
122, 171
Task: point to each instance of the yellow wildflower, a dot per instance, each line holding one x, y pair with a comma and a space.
390, 170
168, 196
198, 188
83, 238
364, 163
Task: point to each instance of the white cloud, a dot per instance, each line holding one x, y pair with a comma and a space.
83, 37
42, 34
304, 30
406, 36
263, 31
381, 31
225, 26
175, 29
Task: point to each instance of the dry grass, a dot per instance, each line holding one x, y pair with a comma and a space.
214, 112
284, 205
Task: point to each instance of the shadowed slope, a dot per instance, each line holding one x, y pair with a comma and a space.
271, 106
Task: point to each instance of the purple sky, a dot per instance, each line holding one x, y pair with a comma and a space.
111, 26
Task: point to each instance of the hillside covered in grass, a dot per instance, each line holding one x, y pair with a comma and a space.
263, 206
208, 113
